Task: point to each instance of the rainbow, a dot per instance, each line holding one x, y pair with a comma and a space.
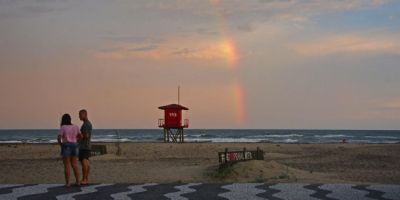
230, 53
239, 102
229, 50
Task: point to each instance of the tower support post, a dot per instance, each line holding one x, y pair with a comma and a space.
173, 135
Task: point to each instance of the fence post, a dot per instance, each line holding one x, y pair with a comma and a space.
226, 155
119, 151
258, 153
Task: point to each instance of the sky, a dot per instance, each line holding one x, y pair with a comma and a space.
285, 64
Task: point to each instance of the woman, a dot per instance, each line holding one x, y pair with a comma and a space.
67, 138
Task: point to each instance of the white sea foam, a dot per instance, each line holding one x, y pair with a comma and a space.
276, 136
290, 141
333, 136
289, 136
382, 137
221, 140
112, 140
111, 135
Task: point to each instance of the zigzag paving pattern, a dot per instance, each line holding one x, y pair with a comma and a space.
209, 191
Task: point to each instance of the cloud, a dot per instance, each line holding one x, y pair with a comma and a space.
206, 31
390, 104
16, 9
348, 44
144, 48
125, 46
110, 50
184, 51
387, 109
132, 39
245, 27
193, 48
239, 15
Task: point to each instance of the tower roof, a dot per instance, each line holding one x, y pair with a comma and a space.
173, 106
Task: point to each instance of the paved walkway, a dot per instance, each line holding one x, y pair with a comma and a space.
207, 191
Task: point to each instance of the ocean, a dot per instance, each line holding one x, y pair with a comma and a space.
216, 135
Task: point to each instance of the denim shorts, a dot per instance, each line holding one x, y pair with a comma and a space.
69, 149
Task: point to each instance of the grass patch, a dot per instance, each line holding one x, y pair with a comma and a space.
282, 176
259, 179
222, 172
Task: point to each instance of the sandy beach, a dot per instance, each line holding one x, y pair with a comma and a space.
197, 162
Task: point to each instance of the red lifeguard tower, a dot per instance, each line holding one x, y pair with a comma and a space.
172, 123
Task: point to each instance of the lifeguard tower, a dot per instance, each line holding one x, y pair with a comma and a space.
173, 124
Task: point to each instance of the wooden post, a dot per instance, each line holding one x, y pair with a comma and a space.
182, 140
173, 136
258, 153
167, 135
181, 136
244, 153
226, 155
119, 152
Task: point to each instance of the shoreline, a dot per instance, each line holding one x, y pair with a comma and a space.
200, 142
216, 136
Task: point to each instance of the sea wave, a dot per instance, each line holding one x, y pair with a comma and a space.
110, 135
9, 141
223, 140
276, 136
230, 140
382, 137
334, 136
201, 135
272, 136
114, 140
290, 141
360, 141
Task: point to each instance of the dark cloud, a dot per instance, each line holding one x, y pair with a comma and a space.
145, 48
206, 31
274, 1
184, 51
245, 28
136, 49
133, 39
110, 50
16, 9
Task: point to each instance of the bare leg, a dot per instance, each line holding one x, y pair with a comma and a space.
74, 164
85, 170
88, 171
66, 170
83, 173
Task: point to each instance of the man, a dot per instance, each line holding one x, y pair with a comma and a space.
84, 146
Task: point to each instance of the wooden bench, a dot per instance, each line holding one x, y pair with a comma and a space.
98, 150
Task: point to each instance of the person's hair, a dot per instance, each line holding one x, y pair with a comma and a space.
83, 111
66, 119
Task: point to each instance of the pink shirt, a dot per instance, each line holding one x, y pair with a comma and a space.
68, 133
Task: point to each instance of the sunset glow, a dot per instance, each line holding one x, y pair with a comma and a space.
229, 49
241, 64
239, 103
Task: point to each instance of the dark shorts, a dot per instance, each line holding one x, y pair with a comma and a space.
69, 149
84, 154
